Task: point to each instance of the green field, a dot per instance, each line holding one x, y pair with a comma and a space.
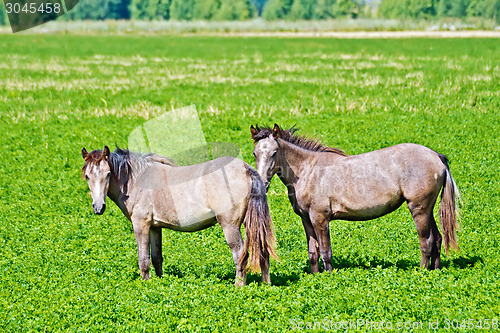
62, 268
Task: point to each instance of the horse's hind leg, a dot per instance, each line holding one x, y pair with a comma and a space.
436, 250
312, 244
428, 234
235, 242
264, 268
156, 256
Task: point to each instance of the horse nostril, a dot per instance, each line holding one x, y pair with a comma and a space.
99, 209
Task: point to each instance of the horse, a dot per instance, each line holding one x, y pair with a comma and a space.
326, 184
154, 193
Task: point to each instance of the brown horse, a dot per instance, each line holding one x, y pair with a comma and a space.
153, 193
326, 184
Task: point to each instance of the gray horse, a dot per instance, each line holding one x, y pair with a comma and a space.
325, 184
153, 193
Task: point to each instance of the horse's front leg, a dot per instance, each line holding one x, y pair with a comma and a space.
312, 244
321, 226
156, 256
141, 232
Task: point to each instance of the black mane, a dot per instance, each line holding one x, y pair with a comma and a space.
119, 162
298, 140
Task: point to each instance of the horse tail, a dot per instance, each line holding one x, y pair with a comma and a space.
259, 234
448, 209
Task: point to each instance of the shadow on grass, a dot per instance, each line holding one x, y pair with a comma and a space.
462, 262
172, 270
276, 278
279, 279
343, 263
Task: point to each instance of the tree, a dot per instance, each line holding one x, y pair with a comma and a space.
89, 10
390, 9
118, 9
150, 9
182, 9
259, 5
302, 9
458, 8
443, 8
235, 10
344, 8
3, 14
163, 9
276, 9
139, 10
205, 9
484, 8
421, 8
100, 10
396, 9
323, 9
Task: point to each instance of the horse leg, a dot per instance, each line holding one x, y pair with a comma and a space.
235, 242
156, 256
321, 226
436, 250
312, 244
141, 232
428, 234
264, 268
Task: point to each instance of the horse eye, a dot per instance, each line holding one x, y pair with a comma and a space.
274, 154
108, 175
86, 177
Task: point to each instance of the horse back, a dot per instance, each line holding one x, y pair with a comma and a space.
189, 198
372, 184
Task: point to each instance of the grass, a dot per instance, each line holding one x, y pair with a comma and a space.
64, 269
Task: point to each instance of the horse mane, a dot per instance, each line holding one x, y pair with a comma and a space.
125, 163
301, 141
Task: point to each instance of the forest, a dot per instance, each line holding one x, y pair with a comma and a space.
231, 10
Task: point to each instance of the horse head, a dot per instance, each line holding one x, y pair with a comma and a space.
97, 172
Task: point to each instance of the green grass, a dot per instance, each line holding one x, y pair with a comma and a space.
62, 268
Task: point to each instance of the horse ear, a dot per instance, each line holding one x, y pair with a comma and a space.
105, 152
276, 131
84, 153
253, 131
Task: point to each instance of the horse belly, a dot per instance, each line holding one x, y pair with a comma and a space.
188, 221
180, 207
368, 212
375, 200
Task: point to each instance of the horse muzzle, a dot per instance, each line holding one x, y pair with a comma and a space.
99, 209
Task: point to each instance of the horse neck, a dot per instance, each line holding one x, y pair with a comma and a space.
118, 190
294, 160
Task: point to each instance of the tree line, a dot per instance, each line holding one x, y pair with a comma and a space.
224, 10
440, 8
3, 14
